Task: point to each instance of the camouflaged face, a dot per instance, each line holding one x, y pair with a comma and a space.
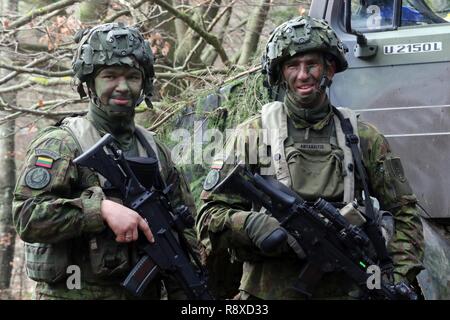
113, 44
299, 35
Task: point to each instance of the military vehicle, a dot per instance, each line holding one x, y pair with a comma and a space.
399, 80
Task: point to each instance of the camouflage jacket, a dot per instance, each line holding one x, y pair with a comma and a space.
57, 207
272, 277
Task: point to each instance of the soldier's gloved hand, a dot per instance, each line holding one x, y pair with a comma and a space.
266, 233
387, 225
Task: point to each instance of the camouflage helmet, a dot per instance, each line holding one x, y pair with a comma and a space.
113, 44
299, 35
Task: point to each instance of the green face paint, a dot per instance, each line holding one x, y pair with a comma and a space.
302, 74
118, 89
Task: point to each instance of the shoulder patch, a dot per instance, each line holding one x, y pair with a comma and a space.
47, 153
37, 178
217, 164
211, 180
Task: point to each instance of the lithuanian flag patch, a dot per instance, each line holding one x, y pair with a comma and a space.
45, 162
217, 164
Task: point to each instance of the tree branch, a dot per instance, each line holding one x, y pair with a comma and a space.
209, 38
37, 71
16, 87
124, 12
154, 126
51, 105
40, 12
210, 27
15, 73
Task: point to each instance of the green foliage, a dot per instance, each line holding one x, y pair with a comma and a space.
220, 108
282, 15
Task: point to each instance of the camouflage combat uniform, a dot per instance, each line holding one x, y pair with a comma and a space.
57, 204
221, 220
65, 213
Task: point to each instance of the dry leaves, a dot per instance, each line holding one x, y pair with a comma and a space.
60, 30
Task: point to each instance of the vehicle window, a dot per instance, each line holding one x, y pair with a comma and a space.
373, 15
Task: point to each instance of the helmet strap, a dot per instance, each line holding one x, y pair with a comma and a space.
325, 82
80, 90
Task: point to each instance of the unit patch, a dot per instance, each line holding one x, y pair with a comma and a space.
211, 180
37, 178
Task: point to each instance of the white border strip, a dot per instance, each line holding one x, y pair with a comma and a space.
401, 108
417, 134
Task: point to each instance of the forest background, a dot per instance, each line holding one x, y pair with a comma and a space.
207, 76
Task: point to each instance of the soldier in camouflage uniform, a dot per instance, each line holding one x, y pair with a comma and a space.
307, 153
63, 212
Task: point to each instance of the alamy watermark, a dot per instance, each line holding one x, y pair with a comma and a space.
374, 280
73, 281
206, 147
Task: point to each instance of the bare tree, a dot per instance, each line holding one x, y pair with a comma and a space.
254, 27
7, 181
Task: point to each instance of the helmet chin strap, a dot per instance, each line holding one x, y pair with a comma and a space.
325, 83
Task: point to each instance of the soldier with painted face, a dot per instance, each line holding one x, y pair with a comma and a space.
79, 238
305, 148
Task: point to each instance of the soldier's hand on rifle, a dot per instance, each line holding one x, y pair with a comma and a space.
124, 222
265, 232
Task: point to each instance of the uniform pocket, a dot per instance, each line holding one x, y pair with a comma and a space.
108, 257
316, 173
47, 262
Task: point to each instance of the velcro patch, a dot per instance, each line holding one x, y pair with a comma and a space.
211, 180
217, 164
37, 178
312, 146
47, 153
44, 162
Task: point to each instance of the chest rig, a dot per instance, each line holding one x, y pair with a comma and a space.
288, 144
108, 259
144, 165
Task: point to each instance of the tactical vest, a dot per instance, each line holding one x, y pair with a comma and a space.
86, 135
275, 121
106, 259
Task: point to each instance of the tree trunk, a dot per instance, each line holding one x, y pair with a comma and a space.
190, 38
210, 54
7, 182
254, 27
93, 10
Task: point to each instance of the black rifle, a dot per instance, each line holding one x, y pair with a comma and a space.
330, 242
170, 253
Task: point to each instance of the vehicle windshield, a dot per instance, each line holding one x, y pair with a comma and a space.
373, 15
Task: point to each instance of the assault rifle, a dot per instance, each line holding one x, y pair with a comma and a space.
170, 253
330, 242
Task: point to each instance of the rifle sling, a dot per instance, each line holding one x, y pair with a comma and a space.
372, 229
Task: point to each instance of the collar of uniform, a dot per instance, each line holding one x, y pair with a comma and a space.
121, 128
315, 118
